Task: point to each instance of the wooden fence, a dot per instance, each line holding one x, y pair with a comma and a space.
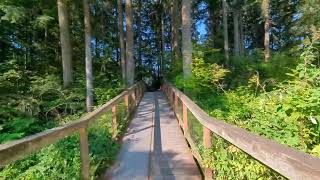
15, 150
287, 161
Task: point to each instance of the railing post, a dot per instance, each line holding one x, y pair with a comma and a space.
84, 153
114, 121
176, 103
207, 144
126, 102
171, 96
166, 90
185, 119
139, 91
133, 95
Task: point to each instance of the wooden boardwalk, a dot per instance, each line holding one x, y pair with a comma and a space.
154, 146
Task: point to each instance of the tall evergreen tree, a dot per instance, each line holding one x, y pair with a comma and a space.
88, 57
236, 28
186, 37
130, 63
265, 6
121, 40
66, 49
175, 15
225, 30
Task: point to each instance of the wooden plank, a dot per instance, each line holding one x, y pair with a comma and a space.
289, 162
171, 156
207, 144
84, 153
134, 156
114, 122
15, 150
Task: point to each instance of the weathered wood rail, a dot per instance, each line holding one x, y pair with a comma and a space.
287, 161
15, 150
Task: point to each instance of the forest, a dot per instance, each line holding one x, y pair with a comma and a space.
251, 63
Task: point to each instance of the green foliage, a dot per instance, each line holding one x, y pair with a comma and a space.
207, 74
13, 14
31, 104
60, 160
278, 100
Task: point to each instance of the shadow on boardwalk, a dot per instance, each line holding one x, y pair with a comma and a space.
153, 146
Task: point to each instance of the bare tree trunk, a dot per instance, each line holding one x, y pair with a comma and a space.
89, 79
139, 38
236, 32
121, 41
242, 48
66, 49
225, 30
130, 44
163, 44
266, 14
186, 37
175, 29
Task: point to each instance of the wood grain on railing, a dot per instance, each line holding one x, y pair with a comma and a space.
114, 121
287, 161
84, 153
185, 118
18, 149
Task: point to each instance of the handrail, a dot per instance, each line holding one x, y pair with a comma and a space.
287, 161
15, 150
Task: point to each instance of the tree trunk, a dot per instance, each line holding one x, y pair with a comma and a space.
163, 43
266, 14
130, 44
225, 30
66, 49
186, 38
139, 38
236, 32
121, 41
89, 79
175, 29
242, 48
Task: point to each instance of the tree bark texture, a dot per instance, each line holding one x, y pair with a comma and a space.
121, 40
66, 49
225, 31
266, 14
130, 64
88, 58
186, 37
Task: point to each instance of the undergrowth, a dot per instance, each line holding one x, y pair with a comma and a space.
278, 100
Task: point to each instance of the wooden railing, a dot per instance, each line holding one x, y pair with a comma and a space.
287, 161
15, 150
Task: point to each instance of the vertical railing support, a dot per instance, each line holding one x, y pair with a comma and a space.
185, 119
139, 91
84, 153
176, 103
114, 121
126, 103
133, 95
171, 97
207, 144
